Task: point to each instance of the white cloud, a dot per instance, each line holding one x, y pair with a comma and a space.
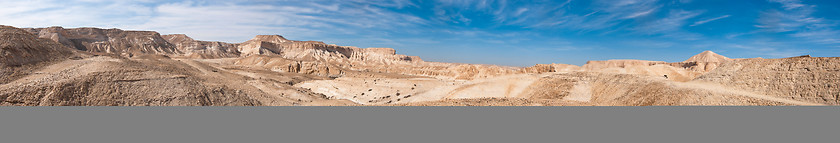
790, 4
769, 51
43, 13
520, 11
798, 18
606, 14
670, 26
628, 9
639, 13
708, 20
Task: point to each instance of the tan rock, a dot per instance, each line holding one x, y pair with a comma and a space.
703, 62
545, 68
19, 47
810, 79
202, 49
599, 65
113, 41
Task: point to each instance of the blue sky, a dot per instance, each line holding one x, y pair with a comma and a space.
502, 32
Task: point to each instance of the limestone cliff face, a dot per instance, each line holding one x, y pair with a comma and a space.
598, 65
202, 49
328, 59
114, 41
314, 50
383, 56
280, 64
295, 50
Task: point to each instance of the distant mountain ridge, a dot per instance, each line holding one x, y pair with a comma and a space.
130, 43
334, 59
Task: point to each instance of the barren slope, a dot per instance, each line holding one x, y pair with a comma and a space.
808, 79
19, 47
22, 52
607, 89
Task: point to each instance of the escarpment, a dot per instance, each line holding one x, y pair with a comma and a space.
116, 41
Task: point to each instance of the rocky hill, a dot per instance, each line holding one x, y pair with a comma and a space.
42, 72
280, 64
708, 57
811, 79
22, 52
599, 65
319, 51
703, 62
686, 70
19, 47
202, 49
116, 41
548, 68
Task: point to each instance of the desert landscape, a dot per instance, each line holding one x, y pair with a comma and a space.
58, 66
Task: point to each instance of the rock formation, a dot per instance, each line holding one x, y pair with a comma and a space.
554, 67
383, 60
116, 41
599, 65
314, 50
22, 52
812, 79
687, 70
18, 47
202, 49
280, 64
703, 62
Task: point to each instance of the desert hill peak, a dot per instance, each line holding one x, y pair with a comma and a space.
175, 38
270, 38
708, 56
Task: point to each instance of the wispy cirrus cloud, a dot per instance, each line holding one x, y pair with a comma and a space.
769, 50
708, 20
627, 9
673, 24
601, 15
790, 4
798, 18
42, 13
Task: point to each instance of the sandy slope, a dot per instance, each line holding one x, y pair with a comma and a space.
718, 88
153, 80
